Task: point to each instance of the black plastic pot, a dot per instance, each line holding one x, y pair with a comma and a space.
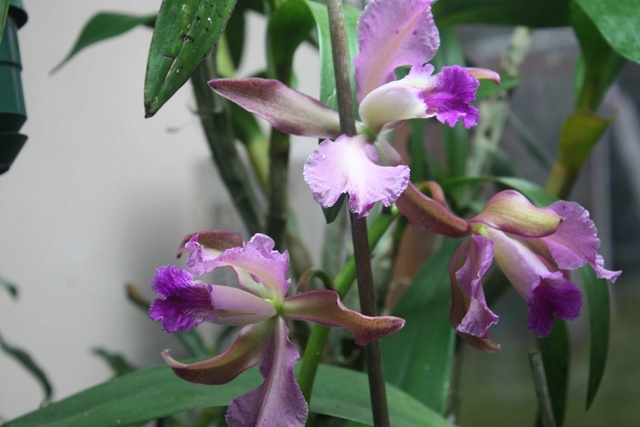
13, 113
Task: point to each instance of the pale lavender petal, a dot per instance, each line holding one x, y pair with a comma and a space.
233, 306
576, 242
470, 315
278, 401
393, 33
511, 212
449, 96
286, 109
186, 303
554, 296
266, 266
324, 307
427, 214
348, 165
248, 349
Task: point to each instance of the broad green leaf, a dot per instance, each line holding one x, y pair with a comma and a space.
555, 356
156, 392
537, 194
580, 133
539, 13
104, 26
597, 295
4, 9
184, 34
288, 27
599, 65
488, 88
418, 358
27, 362
618, 22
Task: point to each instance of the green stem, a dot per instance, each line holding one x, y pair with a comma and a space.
278, 185
342, 282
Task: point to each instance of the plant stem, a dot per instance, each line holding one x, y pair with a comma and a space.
542, 390
278, 186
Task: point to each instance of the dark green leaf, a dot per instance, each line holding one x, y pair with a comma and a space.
488, 88
599, 65
10, 287
538, 195
27, 362
555, 356
156, 392
331, 213
418, 358
118, 364
4, 9
597, 295
184, 34
540, 13
618, 22
288, 27
104, 26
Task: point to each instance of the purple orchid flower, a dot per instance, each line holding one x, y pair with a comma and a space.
536, 248
391, 34
261, 306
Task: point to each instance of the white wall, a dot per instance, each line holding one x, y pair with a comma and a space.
99, 196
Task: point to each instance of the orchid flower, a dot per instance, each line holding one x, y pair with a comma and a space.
536, 248
260, 305
391, 34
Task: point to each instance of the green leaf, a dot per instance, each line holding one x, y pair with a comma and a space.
418, 358
618, 22
185, 32
580, 133
4, 10
27, 362
488, 88
537, 194
555, 353
540, 13
156, 392
104, 26
597, 295
327, 78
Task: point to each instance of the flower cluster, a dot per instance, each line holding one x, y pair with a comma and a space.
260, 305
391, 34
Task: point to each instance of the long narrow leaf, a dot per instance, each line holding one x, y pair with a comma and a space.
156, 392
540, 13
184, 34
597, 296
555, 356
418, 358
104, 26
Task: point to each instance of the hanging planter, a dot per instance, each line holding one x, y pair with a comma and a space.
13, 113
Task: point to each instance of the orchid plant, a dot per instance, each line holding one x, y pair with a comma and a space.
535, 239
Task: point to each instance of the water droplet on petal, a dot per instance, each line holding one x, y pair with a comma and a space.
324, 156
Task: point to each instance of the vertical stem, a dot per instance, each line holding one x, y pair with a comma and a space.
362, 254
542, 390
278, 186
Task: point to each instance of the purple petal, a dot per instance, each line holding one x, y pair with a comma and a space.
391, 34
426, 214
470, 315
348, 165
265, 266
248, 349
324, 307
510, 211
186, 303
204, 246
576, 242
286, 109
278, 401
554, 296
449, 95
